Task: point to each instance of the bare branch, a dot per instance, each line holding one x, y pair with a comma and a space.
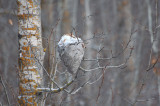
5, 89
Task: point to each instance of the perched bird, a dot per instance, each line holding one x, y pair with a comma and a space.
71, 52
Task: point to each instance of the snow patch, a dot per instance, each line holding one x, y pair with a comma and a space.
69, 39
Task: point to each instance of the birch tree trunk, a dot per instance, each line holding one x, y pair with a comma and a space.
30, 52
89, 54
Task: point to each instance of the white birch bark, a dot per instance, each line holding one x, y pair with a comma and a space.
30, 51
88, 52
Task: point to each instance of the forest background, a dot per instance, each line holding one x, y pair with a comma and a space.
126, 30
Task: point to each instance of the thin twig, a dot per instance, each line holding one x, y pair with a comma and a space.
5, 89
